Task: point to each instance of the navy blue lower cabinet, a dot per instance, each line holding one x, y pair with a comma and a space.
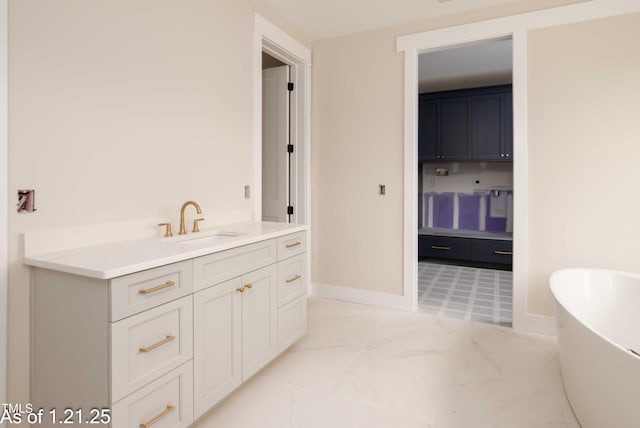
444, 247
492, 251
474, 250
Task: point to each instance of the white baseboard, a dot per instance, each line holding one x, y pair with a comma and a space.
356, 295
537, 324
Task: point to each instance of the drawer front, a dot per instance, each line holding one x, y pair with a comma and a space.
292, 322
148, 345
219, 267
292, 278
443, 247
164, 403
292, 245
132, 294
492, 251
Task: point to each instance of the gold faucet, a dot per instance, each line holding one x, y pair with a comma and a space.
199, 211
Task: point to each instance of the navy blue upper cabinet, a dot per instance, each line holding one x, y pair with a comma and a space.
453, 144
466, 125
428, 129
488, 125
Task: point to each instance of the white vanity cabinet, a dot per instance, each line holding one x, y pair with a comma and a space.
162, 346
235, 334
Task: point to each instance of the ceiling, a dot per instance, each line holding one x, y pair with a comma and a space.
322, 19
481, 64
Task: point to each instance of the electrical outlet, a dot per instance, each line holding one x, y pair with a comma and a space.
247, 192
382, 189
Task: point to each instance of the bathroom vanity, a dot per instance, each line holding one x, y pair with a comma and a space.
162, 329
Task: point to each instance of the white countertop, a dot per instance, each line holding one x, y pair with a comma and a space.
122, 258
460, 233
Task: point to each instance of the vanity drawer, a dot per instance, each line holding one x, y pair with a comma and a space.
292, 322
292, 244
131, 294
219, 267
148, 345
164, 403
292, 278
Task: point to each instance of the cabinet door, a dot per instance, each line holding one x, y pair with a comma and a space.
454, 129
427, 129
217, 340
259, 319
487, 127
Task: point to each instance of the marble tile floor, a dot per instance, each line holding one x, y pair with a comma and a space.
362, 366
466, 293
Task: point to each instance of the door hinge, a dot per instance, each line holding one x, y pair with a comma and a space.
289, 210
290, 86
289, 148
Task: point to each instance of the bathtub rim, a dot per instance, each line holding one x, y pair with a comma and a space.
553, 284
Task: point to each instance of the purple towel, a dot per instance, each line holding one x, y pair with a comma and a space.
495, 224
468, 211
443, 210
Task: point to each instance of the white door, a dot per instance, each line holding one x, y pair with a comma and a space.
275, 138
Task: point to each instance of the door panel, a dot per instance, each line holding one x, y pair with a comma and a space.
275, 137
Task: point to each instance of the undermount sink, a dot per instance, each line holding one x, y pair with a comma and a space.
208, 239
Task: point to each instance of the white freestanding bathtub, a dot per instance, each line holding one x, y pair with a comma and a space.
598, 314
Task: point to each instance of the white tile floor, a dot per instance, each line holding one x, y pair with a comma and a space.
466, 293
361, 366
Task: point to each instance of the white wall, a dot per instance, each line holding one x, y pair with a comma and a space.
462, 177
121, 110
584, 134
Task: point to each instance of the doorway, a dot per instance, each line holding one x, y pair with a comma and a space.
465, 182
277, 147
286, 185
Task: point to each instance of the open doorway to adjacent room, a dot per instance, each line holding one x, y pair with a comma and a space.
465, 182
282, 69
277, 147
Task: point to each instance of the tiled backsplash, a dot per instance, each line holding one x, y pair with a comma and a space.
485, 210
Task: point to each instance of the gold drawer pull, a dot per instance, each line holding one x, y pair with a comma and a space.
295, 244
503, 253
249, 285
295, 278
168, 339
156, 288
241, 289
437, 247
170, 408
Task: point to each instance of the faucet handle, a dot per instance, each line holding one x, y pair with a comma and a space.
195, 224
167, 230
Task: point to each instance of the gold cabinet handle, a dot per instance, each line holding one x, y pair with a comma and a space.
503, 253
156, 288
295, 278
170, 408
437, 247
241, 289
295, 244
164, 341
249, 285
